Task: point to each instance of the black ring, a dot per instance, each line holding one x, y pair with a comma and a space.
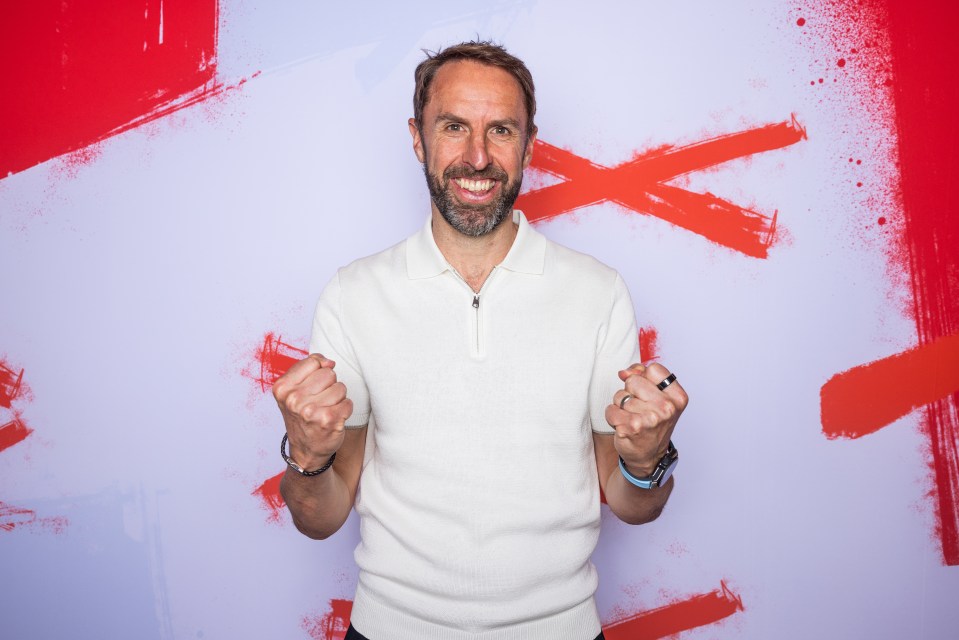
671, 378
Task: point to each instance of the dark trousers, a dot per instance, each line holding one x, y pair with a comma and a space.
353, 634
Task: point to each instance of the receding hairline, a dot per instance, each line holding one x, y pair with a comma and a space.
486, 53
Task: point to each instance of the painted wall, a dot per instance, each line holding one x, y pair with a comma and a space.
181, 178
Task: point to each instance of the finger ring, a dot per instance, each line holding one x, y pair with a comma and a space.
671, 378
626, 398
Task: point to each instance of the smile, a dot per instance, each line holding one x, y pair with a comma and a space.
474, 186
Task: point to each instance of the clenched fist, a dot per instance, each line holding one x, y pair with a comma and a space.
314, 407
644, 416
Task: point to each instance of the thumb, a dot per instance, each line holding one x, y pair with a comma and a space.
633, 370
323, 361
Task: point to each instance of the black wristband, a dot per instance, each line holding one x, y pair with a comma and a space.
300, 470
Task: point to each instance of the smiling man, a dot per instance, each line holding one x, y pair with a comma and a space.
469, 392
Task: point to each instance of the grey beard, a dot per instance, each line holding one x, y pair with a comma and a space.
470, 220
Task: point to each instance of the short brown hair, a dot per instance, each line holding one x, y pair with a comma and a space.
484, 52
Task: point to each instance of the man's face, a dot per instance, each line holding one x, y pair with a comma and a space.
474, 145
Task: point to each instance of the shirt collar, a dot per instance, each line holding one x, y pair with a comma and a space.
527, 255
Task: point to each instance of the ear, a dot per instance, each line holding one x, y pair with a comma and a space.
528, 152
417, 140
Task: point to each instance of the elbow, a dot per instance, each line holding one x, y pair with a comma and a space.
310, 532
647, 517
639, 517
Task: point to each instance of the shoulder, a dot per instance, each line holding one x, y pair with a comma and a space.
374, 267
575, 266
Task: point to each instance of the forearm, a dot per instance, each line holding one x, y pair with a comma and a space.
632, 504
319, 504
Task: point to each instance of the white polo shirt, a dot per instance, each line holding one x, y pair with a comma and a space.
479, 499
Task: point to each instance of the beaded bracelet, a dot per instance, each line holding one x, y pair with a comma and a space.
298, 468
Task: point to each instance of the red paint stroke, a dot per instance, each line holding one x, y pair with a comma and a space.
333, 624
924, 50
676, 617
19, 518
648, 343
866, 398
667, 620
83, 71
274, 358
11, 382
269, 494
640, 185
13, 432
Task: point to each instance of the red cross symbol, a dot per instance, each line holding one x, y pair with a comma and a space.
640, 185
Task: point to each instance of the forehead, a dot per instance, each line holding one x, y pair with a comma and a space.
466, 87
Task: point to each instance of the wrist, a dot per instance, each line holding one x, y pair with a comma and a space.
312, 469
658, 476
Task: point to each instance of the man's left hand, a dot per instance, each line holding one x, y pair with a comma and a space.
644, 422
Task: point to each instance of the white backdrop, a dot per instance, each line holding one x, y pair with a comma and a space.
141, 280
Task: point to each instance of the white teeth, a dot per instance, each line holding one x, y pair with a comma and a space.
475, 185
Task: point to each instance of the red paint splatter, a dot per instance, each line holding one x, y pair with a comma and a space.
274, 357
676, 617
97, 69
866, 398
648, 344
333, 624
19, 518
11, 382
924, 50
801, 22
640, 185
841, 62
272, 360
881, 220
269, 494
13, 432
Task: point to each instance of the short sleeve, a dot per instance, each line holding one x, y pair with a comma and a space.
616, 349
330, 337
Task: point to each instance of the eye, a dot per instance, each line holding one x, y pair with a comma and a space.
454, 126
501, 131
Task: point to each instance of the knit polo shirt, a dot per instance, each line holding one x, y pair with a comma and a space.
478, 498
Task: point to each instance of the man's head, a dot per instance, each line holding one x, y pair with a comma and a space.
473, 131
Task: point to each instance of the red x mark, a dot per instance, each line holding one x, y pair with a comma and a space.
640, 185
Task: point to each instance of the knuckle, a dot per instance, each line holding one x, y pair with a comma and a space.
308, 413
279, 388
667, 409
292, 400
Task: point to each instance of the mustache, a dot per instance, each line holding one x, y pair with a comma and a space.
468, 173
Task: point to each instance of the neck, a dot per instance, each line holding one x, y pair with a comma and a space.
473, 258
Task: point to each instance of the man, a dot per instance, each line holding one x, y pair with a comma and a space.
472, 386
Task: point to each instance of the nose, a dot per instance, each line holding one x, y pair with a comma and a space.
476, 152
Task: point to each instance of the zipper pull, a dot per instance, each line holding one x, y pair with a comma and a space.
476, 302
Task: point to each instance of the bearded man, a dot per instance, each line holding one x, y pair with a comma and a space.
468, 391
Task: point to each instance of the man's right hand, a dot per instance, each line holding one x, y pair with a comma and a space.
314, 407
